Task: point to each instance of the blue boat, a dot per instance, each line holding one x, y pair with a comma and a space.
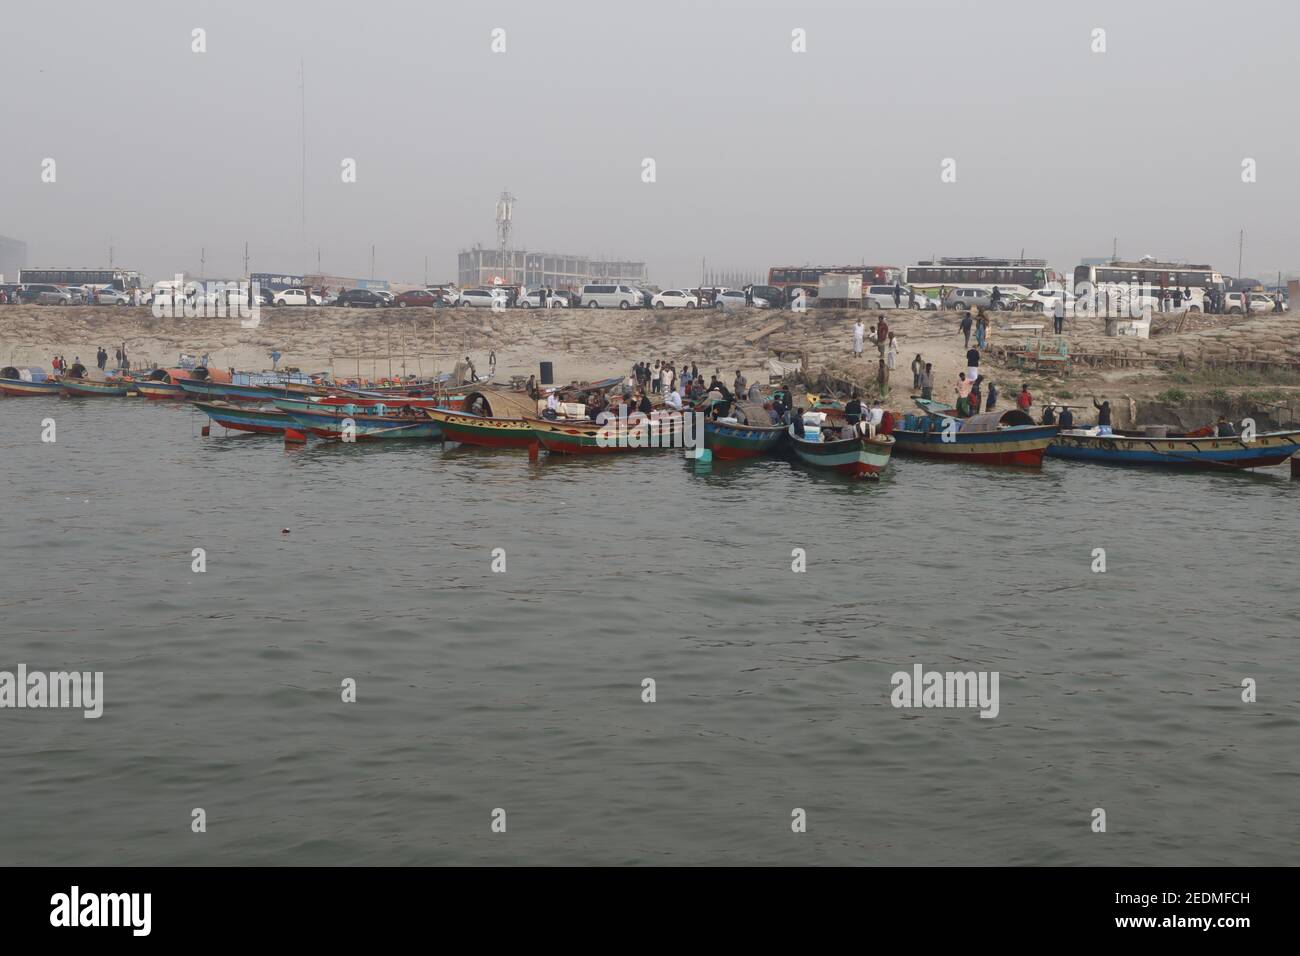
1176, 450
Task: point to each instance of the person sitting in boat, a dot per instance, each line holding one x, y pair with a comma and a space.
1066, 420
674, 400
78, 370
643, 406
853, 409
1103, 416
1224, 429
1049, 415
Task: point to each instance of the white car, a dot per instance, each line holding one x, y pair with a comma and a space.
112, 296
482, 298
295, 297
533, 300
674, 299
1259, 302
1044, 300
730, 299
609, 296
882, 297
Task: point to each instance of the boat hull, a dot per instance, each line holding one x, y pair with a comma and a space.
227, 392
859, 457
160, 391
331, 423
1020, 446
482, 431
17, 388
740, 442
246, 418
84, 389
615, 438
1271, 448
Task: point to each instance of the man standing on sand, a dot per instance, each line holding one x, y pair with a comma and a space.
1058, 313
741, 385
882, 335
898, 294
964, 326
859, 330
882, 379
972, 365
993, 397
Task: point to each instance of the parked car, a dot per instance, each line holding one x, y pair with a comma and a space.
1044, 301
112, 297
415, 297
533, 300
1238, 303
882, 297
606, 296
359, 299
730, 299
674, 299
967, 299
39, 294
296, 297
766, 296
482, 298
385, 296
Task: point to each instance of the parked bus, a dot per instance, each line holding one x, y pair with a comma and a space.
788, 278
1020, 276
1141, 283
119, 279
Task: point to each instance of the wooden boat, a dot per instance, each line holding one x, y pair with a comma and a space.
492, 418
229, 391
1008, 437
331, 421
616, 435
243, 417
161, 384
732, 440
26, 381
860, 456
87, 388
1175, 450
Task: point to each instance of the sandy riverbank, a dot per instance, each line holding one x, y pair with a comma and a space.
586, 344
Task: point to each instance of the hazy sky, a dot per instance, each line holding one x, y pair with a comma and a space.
763, 156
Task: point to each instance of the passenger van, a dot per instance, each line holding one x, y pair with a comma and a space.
610, 297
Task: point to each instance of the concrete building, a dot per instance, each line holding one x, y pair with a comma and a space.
478, 266
13, 257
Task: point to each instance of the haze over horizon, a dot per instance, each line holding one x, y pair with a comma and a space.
763, 156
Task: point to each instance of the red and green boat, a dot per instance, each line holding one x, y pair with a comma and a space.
491, 418
615, 436
85, 388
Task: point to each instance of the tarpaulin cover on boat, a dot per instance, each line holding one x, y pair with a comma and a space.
500, 404
25, 373
989, 421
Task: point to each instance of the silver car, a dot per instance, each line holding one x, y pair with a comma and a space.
112, 297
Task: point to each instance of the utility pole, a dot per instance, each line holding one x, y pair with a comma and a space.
110, 252
203, 263
426, 272
372, 261
1241, 243
245, 258
1114, 249
302, 102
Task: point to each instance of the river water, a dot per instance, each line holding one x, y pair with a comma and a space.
522, 690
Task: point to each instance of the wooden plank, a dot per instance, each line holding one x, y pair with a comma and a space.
765, 331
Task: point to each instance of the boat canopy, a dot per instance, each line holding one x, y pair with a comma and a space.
25, 373
496, 403
991, 421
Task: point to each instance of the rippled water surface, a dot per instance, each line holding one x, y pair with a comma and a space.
522, 690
